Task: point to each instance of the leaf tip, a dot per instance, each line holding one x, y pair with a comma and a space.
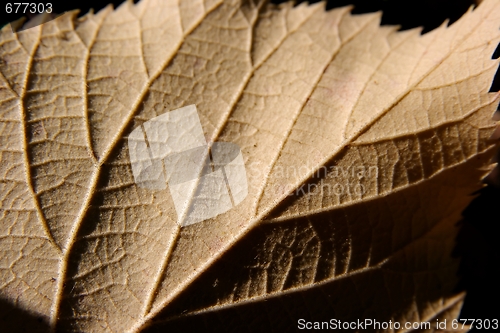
15, 25
318, 5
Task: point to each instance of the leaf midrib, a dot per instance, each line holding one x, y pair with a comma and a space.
176, 292
98, 170
107, 152
25, 144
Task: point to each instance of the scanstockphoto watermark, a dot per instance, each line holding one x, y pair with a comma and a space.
373, 324
364, 324
293, 172
323, 188
330, 181
208, 179
204, 181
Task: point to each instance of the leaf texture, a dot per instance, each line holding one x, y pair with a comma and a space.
316, 100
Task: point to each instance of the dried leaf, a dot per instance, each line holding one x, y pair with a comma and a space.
361, 147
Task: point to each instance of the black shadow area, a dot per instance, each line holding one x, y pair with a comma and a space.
16, 320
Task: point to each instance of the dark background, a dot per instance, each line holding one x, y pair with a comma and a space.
477, 243
406, 13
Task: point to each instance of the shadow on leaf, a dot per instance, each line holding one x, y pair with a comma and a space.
16, 320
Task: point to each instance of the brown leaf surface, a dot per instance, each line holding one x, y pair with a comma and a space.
315, 99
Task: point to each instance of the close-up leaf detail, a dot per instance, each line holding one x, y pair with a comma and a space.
362, 146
